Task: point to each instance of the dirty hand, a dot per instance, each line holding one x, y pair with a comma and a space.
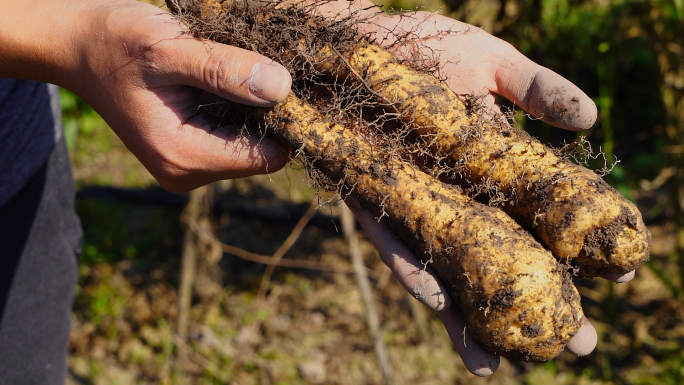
474, 62
135, 66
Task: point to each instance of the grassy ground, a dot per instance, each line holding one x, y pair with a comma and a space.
311, 326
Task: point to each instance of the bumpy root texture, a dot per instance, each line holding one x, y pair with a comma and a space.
571, 209
583, 221
519, 301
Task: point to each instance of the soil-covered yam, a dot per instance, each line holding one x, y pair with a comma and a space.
519, 301
571, 210
537, 188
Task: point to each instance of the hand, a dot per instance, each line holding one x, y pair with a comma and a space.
475, 63
418, 280
135, 66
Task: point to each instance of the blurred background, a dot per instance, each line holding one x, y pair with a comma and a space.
242, 283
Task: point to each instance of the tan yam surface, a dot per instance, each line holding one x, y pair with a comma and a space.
519, 301
606, 233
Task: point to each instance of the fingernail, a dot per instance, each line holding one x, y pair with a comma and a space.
620, 278
584, 341
485, 370
431, 293
270, 82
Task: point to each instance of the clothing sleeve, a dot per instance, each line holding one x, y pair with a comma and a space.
30, 125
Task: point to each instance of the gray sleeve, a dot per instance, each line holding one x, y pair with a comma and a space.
30, 125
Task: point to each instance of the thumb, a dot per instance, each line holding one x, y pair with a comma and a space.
233, 73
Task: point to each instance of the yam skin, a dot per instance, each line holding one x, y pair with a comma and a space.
572, 211
519, 301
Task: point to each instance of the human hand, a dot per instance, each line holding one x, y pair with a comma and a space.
480, 64
133, 63
475, 62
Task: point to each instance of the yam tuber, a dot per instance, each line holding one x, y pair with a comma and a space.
572, 210
518, 299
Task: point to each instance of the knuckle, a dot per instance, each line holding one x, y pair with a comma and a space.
219, 72
151, 53
149, 49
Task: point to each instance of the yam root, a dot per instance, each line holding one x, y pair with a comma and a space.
574, 213
572, 210
518, 300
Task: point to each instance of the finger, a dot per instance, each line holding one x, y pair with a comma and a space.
584, 341
411, 273
184, 149
208, 156
541, 92
475, 358
236, 74
242, 157
620, 278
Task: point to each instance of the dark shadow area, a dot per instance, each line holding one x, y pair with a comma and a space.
17, 217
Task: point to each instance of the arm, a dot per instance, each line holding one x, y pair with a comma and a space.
134, 65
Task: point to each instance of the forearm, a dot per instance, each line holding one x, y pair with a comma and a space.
37, 39
77, 44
